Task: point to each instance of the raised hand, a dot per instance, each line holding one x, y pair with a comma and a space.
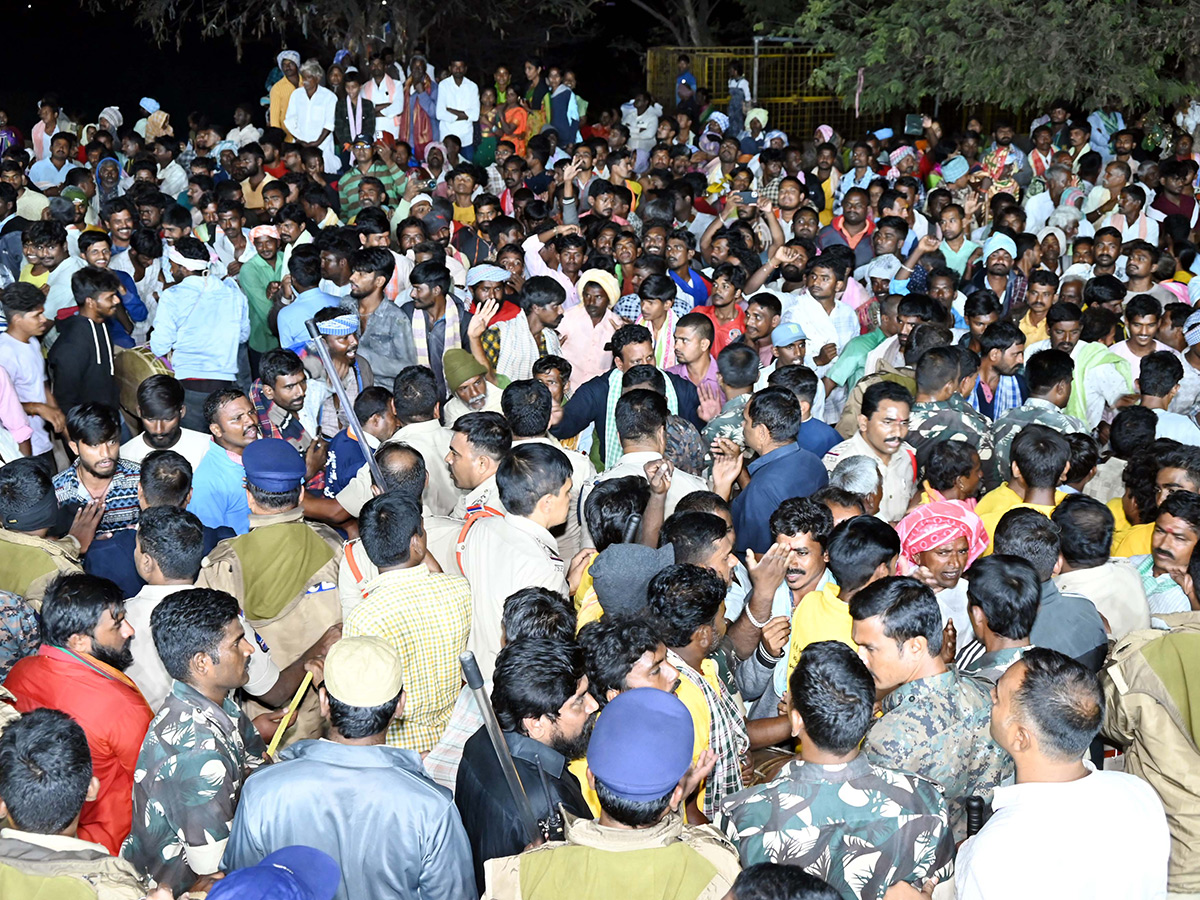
710, 402
775, 635
87, 520
726, 466
482, 318
658, 473
826, 356
767, 571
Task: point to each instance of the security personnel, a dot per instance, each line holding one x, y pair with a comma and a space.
29, 560
284, 570
499, 555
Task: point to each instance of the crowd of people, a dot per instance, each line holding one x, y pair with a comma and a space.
820, 511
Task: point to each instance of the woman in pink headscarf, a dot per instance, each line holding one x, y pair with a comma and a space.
938, 542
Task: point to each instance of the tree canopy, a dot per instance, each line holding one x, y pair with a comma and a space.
350, 23
1124, 53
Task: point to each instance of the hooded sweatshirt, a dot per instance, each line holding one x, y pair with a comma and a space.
81, 364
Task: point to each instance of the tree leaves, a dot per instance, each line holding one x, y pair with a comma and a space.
1015, 55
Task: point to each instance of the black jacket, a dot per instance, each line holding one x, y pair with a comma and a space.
81, 364
489, 813
588, 405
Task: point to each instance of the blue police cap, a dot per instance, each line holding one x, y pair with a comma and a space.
642, 744
291, 873
273, 465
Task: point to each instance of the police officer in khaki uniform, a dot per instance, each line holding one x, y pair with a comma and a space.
284, 570
416, 405
478, 444
29, 559
502, 554
527, 406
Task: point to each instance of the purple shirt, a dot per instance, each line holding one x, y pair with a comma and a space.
710, 377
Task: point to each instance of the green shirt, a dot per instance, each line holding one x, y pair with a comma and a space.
352, 178
253, 279
852, 361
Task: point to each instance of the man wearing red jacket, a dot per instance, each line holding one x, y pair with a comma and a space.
79, 669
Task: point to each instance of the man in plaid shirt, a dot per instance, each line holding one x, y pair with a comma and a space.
289, 408
426, 616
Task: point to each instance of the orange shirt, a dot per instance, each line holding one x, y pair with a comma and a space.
113, 715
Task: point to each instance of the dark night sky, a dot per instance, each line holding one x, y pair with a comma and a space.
93, 61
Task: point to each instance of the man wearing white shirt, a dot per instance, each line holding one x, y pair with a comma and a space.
160, 402
1099, 378
1063, 830
310, 112
458, 107
822, 317
1159, 381
1039, 207
172, 179
167, 553
50, 173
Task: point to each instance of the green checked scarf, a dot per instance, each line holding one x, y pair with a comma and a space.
612, 440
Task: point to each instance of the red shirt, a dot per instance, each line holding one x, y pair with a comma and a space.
113, 715
726, 332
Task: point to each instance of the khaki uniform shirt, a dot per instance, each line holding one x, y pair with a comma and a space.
899, 475
58, 867
284, 571
570, 541
501, 555
594, 861
28, 564
432, 441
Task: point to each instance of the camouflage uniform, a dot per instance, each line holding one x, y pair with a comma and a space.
860, 827
934, 421
19, 632
194, 760
990, 666
285, 573
939, 727
725, 424
1033, 411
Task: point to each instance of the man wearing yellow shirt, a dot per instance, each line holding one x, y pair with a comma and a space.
619, 655
860, 551
1179, 470
1040, 458
1041, 294
800, 528
281, 91
688, 605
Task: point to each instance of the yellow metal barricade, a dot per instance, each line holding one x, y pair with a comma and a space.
783, 87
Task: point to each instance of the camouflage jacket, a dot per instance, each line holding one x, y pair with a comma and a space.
194, 760
858, 826
20, 634
725, 424
934, 421
1033, 411
939, 727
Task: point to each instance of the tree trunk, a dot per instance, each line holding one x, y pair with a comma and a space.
697, 13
